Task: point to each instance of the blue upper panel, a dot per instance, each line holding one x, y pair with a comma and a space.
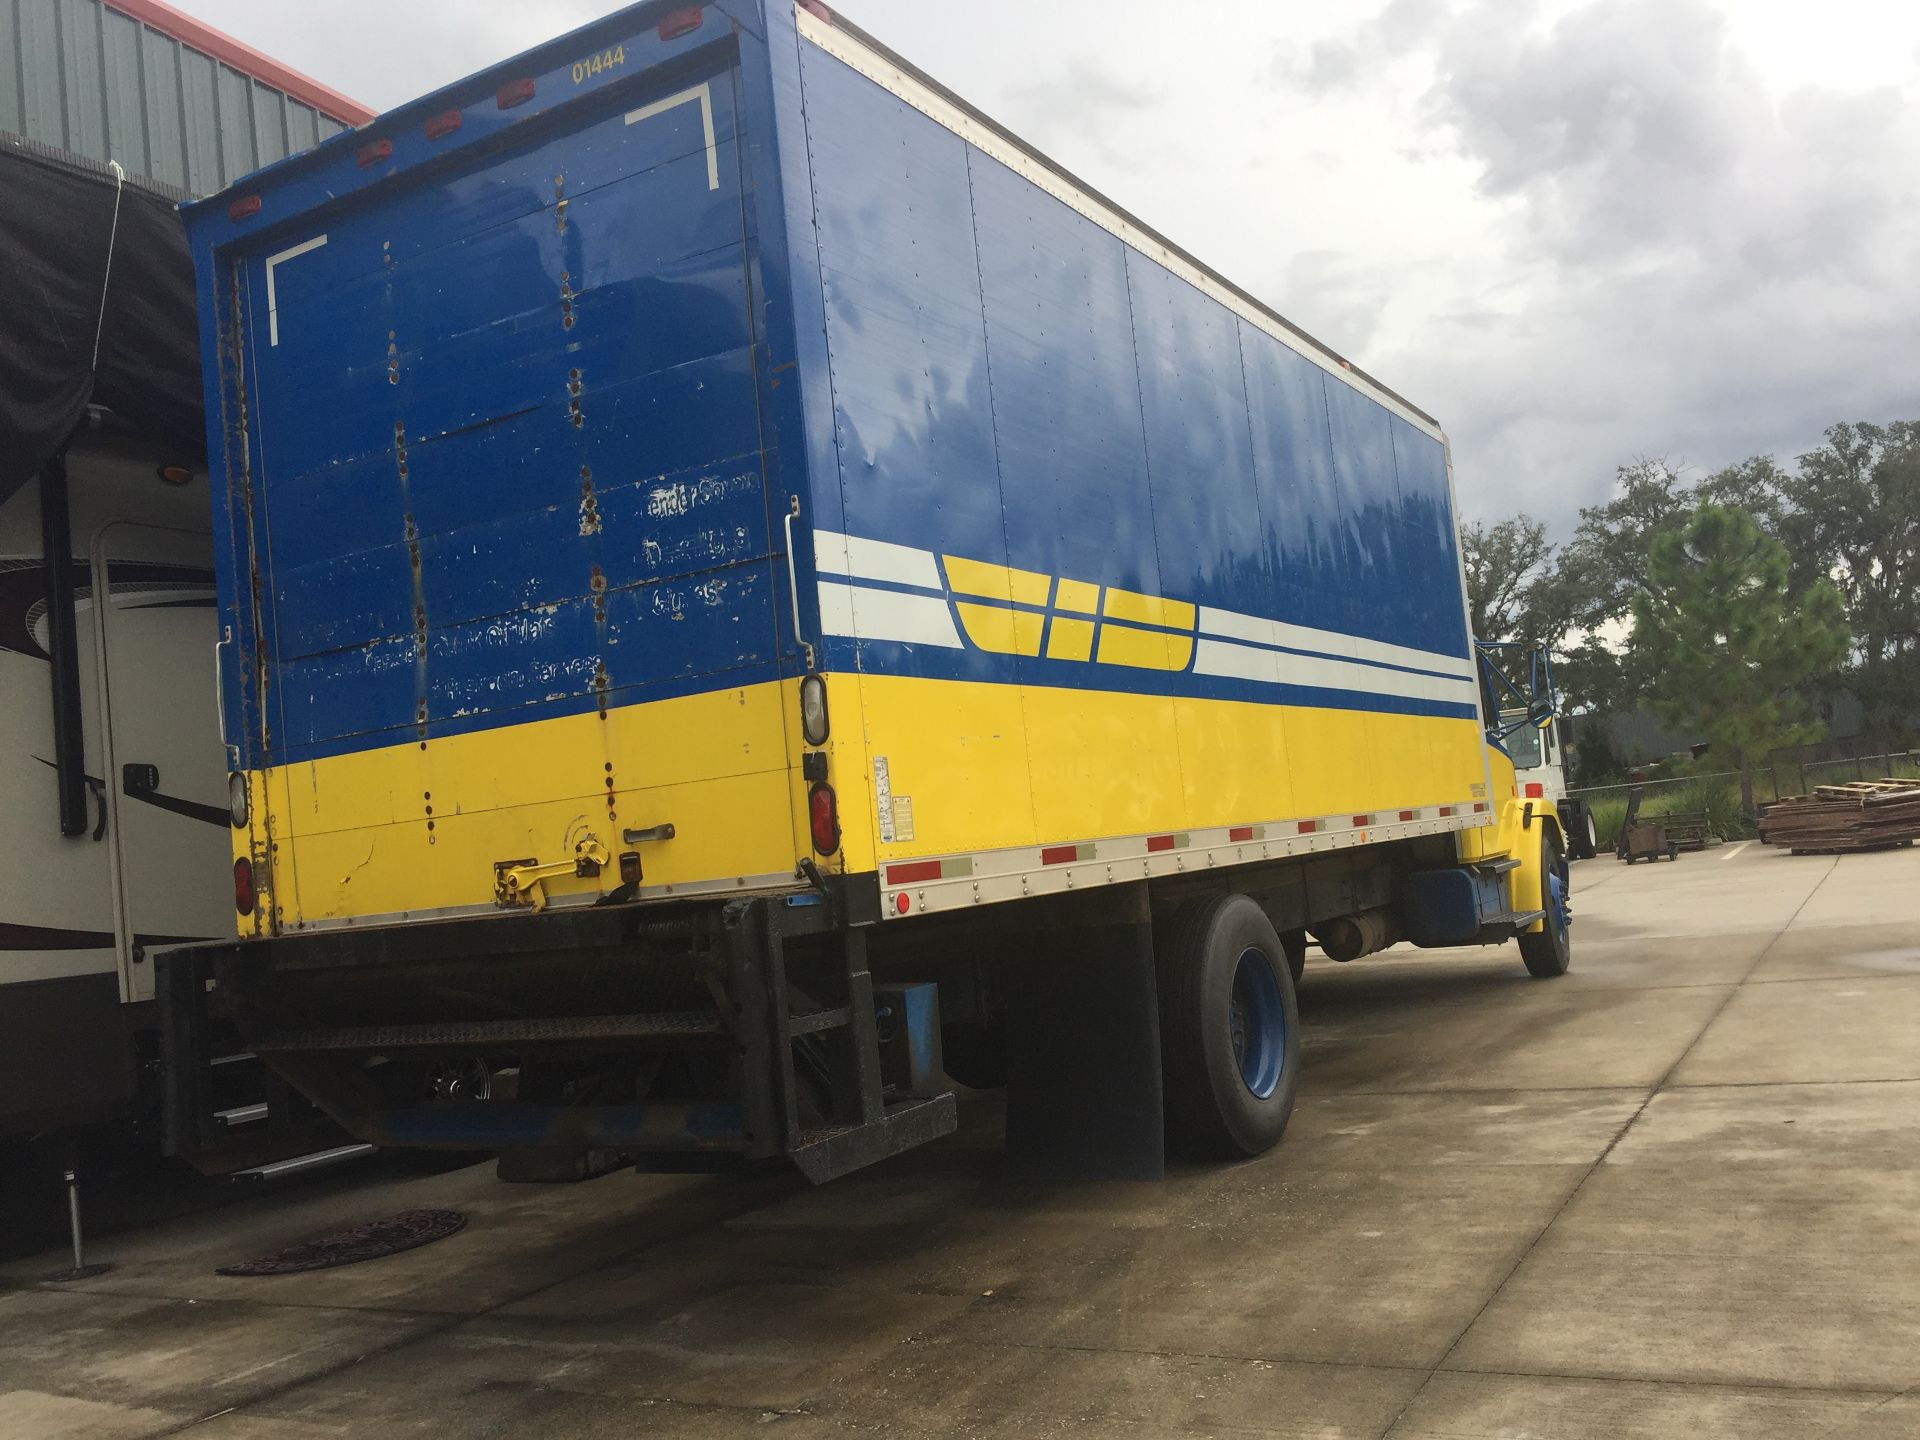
1066, 406
1012, 383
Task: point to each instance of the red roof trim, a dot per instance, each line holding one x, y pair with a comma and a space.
190, 32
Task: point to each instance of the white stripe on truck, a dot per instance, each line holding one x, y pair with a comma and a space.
1278, 667
1242, 647
869, 614
1229, 625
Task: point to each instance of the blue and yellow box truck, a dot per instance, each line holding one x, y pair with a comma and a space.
746, 589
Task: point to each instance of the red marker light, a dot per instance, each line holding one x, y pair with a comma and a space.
243, 885
445, 123
679, 22
823, 818
514, 92
1535, 790
373, 152
817, 9
902, 904
244, 209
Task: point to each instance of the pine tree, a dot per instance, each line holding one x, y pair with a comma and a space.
1725, 641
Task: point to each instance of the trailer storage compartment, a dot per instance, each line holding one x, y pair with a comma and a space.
506, 511
703, 459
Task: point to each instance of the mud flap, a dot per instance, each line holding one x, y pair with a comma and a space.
1084, 1096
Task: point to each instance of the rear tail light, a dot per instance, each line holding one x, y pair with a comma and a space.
244, 208
514, 92
243, 885
373, 152
1535, 790
823, 818
445, 123
679, 22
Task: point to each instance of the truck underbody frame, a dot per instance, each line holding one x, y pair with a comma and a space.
692, 1036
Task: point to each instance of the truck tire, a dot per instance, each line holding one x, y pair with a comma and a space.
1582, 838
1549, 951
1229, 1028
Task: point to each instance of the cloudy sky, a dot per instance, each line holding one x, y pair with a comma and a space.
1578, 231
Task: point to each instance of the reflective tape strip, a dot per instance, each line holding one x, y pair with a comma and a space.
922, 886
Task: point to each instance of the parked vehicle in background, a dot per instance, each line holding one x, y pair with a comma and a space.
112, 785
750, 586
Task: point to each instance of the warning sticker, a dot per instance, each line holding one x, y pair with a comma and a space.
883, 799
903, 817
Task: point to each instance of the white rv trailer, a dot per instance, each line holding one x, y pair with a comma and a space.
81, 913
113, 804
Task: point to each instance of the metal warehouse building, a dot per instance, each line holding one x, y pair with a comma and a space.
171, 99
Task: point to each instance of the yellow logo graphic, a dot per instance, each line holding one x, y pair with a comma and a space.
1014, 612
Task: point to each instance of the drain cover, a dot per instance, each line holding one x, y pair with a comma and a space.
408, 1230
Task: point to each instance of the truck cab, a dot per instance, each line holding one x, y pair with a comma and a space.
1537, 746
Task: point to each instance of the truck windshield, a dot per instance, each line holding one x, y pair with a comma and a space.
1523, 744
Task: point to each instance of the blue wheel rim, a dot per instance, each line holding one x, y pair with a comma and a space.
1258, 1022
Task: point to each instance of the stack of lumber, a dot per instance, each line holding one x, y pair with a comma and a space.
1863, 815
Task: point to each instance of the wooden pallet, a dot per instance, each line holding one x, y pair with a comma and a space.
1846, 819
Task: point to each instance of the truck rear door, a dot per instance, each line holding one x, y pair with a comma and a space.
508, 481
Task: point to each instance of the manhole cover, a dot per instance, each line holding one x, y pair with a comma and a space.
408, 1230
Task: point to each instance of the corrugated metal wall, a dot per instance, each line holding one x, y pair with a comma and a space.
88, 79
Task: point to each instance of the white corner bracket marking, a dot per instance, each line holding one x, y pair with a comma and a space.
280, 258
702, 92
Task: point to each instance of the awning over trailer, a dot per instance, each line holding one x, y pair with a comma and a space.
57, 217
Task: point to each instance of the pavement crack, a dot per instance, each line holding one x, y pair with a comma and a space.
1613, 1144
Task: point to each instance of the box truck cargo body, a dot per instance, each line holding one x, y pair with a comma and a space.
701, 497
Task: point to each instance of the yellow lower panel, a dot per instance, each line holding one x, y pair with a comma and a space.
411, 828
990, 767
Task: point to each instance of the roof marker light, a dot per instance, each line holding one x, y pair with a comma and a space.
373, 152
679, 22
514, 92
445, 123
817, 9
244, 209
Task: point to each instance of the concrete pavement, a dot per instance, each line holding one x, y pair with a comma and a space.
1674, 1193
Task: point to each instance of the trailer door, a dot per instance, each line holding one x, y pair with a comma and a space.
508, 470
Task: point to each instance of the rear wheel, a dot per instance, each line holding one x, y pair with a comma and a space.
1229, 1028
1548, 951
1583, 841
